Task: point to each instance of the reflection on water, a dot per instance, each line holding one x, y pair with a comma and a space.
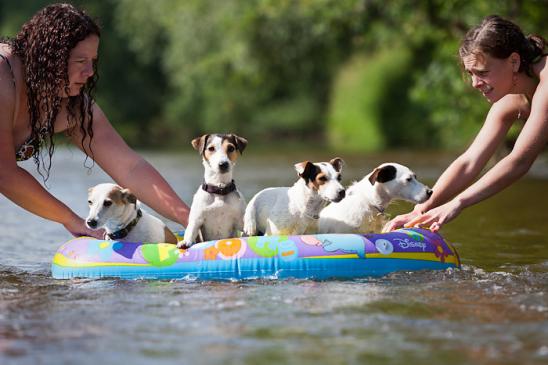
493, 311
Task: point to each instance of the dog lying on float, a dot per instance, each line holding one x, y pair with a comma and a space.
361, 211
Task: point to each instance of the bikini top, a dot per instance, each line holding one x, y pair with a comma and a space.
31, 145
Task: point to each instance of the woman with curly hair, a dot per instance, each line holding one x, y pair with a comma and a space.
47, 79
511, 72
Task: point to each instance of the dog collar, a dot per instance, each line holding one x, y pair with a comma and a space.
121, 233
229, 188
310, 216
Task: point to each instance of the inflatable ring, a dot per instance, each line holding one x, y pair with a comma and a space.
318, 256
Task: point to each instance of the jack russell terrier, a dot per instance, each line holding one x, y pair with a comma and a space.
119, 212
294, 210
361, 211
217, 207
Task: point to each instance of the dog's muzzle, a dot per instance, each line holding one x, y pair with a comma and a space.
224, 166
340, 196
91, 223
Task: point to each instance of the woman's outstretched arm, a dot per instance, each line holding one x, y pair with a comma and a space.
131, 171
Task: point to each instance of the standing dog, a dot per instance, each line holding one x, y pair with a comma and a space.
217, 207
361, 210
294, 210
119, 212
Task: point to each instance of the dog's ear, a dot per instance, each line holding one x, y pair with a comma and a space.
337, 163
128, 196
199, 143
239, 142
382, 174
307, 170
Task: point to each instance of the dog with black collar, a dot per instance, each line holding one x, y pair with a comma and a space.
119, 212
218, 207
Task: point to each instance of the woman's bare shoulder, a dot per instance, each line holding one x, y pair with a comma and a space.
509, 107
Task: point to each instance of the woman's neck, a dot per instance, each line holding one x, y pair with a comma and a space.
526, 85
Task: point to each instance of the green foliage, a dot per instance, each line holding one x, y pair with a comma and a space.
361, 75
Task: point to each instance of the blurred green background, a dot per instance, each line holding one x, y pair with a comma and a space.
350, 75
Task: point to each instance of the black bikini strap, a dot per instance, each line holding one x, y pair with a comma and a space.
11, 69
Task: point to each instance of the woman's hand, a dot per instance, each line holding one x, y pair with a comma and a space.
435, 218
400, 220
77, 227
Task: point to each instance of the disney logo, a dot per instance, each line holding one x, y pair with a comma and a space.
406, 243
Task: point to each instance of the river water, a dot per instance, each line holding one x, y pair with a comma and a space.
492, 311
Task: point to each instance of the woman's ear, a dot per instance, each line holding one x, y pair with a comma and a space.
515, 59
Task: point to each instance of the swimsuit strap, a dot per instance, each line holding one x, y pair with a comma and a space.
11, 69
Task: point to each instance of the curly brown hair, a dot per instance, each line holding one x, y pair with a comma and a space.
44, 44
499, 38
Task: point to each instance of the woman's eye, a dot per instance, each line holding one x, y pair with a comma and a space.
107, 203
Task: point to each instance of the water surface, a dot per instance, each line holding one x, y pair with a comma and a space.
492, 311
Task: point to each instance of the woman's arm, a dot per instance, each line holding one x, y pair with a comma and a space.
530, 143
462, 172
22, 188
131, 171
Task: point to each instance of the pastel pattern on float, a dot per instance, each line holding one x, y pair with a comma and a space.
320, 256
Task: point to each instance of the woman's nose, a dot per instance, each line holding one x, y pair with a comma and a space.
476, 82
88, 71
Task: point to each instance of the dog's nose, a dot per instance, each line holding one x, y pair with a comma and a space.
429, 192
223, 166
92, 223
340, 195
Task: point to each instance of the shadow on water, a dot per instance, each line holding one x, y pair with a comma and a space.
492, 311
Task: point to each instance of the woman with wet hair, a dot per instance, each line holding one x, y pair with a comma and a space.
510, 71
48, 74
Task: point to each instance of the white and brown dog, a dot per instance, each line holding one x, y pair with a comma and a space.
361, 211
217, 207
119, 212
294, 210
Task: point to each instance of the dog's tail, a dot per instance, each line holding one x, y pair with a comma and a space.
250, 221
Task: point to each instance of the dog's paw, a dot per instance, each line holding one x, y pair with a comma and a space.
184, 245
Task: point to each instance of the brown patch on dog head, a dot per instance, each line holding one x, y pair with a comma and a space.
233, 146
239, 142
382, 175
121, 196
337, 163
128, 196
308, 171
199, 144
319, 180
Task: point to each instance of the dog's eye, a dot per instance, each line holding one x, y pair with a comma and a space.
90, 202
211, 149
230, 148
107, 203
339, 178
409, 179
322, 178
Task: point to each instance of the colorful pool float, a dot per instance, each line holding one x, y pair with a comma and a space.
319, 256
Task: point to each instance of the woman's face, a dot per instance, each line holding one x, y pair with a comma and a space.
493, 77
80, 64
